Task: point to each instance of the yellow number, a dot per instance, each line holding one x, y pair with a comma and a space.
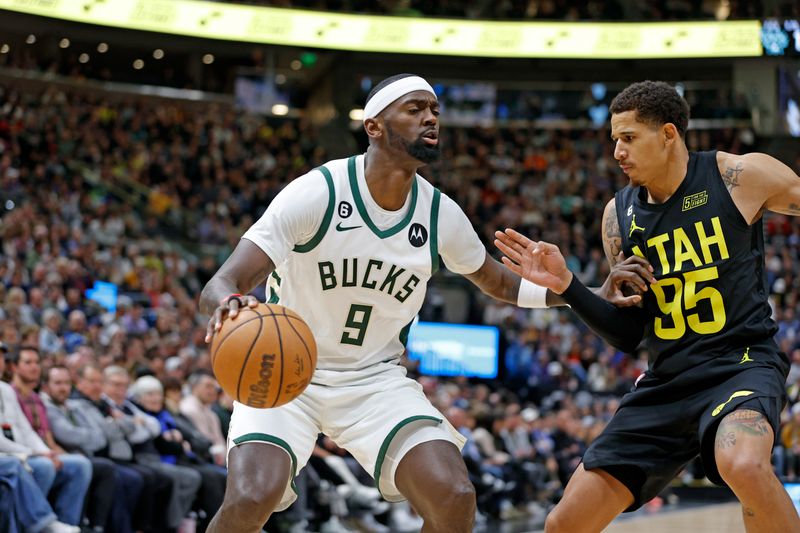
715, 299
691, 297
669, 308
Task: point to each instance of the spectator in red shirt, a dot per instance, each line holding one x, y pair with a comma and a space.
65, 476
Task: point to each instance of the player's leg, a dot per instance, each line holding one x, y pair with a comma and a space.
592, 499
644, 445
257, 474
266, 449
433, 477
742, 450
410, 448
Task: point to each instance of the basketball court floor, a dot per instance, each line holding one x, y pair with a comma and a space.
715, 518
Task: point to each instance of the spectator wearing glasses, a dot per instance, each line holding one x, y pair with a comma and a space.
122, 433
186, 482
115, 489
182, 446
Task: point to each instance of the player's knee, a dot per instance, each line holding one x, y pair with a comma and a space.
254, 496
743, 469
453, 509
462, 498
558, 522
456, 510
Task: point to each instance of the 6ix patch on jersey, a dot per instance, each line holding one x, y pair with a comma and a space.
417, 235
345, 209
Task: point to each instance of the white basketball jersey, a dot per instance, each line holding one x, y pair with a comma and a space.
359, 287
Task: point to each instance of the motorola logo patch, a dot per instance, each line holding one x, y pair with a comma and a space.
345, 209
417, 235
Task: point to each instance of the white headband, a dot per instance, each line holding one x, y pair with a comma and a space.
383, 98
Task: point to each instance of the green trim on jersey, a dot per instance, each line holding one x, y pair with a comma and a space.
362, 209
404, 333
273, 296
263, 437
326, 220
388, 440
435, 231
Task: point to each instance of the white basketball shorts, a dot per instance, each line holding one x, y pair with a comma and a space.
377, 416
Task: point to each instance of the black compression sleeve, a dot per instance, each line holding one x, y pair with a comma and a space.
621, 327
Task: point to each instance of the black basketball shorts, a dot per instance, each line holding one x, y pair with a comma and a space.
663, 424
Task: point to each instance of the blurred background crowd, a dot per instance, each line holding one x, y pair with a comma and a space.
210, 174
110, 397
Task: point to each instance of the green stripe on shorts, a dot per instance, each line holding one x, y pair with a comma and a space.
263, 437
388, 440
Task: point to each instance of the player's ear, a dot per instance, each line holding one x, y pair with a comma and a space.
374, 127
669, 133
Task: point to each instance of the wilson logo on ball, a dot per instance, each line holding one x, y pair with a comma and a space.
260, 390
261, 351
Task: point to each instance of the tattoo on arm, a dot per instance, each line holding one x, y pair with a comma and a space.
731, 176
794, 209
742, 422
612, 237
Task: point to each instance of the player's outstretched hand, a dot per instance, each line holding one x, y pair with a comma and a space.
228, 308
538, 262
629, 279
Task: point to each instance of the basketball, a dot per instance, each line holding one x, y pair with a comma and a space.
265, 356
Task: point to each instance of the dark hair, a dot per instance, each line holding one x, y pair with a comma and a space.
54, 367
13, 356
387, 81
172, 383
655, 102
143, 371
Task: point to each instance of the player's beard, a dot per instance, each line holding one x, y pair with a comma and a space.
416, 149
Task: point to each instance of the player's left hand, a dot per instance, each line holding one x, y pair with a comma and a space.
538, 262
628, 280
228, 308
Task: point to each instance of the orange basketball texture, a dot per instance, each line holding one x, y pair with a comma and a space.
264, 357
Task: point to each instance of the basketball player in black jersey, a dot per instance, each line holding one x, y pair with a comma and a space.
715, 383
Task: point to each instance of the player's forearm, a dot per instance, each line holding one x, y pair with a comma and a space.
506, 289
495, 280
556, 300
623, 328
214, 292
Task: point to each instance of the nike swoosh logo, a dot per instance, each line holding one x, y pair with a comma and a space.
339, 227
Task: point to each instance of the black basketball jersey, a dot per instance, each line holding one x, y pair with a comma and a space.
711, 295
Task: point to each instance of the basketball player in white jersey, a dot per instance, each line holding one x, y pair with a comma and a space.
350, 246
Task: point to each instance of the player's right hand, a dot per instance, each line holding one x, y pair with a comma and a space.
629, 279
228, 308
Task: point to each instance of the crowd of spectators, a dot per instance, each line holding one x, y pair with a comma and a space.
124, 396
551, 9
